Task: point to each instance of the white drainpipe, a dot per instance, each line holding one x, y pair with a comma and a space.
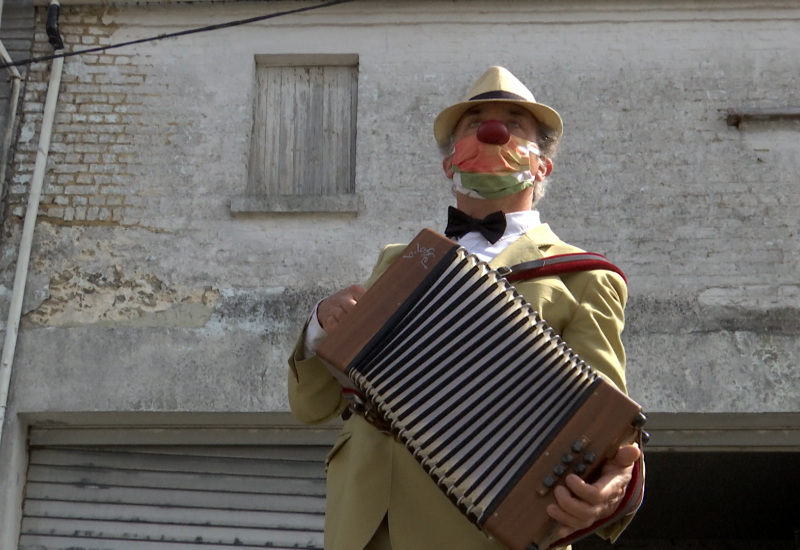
26, 242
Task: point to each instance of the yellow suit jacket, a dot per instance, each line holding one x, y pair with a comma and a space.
370, 474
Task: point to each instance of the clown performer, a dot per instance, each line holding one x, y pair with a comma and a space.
497, 145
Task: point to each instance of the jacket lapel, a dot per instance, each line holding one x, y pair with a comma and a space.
530, 246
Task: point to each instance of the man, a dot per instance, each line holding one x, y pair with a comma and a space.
497, 147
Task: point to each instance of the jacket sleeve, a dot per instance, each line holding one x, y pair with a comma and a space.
594, 333
597, 318
315, 396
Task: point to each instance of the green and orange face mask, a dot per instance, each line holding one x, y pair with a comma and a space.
489, 171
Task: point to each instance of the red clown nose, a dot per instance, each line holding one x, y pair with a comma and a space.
493, 132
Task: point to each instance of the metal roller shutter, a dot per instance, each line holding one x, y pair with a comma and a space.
175, 489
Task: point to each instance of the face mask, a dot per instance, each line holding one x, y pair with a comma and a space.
488, 171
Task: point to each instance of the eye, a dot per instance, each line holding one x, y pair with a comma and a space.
515, 124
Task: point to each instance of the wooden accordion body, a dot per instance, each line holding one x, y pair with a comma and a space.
488, 399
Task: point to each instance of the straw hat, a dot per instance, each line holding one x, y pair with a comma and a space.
496, 84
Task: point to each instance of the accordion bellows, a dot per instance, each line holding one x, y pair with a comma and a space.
489, 400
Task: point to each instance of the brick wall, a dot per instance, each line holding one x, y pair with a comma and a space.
89, 150
111, 119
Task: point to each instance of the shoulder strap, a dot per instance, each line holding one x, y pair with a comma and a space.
561, 263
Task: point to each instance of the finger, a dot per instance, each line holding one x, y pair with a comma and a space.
626, 455
357, 291
567, 524
331, 312
604, 494
332, 309
347, 304
574, 507
618, 470
329, 323
580, 504
557, 513
349, 297
326, 316
569, 521
583, 491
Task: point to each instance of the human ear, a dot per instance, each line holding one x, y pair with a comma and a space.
545, 167
447, 166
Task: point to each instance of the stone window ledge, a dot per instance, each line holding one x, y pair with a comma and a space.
342, 203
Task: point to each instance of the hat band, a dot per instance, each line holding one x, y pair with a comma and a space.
499, 94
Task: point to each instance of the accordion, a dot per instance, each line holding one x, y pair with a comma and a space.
494, 405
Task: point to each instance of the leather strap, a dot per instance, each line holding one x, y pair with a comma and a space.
559, 264
361, 406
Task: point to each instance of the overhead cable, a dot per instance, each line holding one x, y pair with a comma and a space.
173, 34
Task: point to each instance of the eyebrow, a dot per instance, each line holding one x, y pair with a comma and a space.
512, 110
516, 110
473, 110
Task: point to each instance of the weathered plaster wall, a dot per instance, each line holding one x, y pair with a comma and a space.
145, 293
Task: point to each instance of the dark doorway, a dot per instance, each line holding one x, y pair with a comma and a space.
715, 501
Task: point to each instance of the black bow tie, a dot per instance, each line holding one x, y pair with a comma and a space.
459, 224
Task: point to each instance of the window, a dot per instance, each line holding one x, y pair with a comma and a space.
302, 149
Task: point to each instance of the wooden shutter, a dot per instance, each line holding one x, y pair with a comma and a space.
304, 125
145, 488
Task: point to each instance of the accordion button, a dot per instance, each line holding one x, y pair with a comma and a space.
589, 457
579, 469
577, 446
549, 482
559, 470
567, 458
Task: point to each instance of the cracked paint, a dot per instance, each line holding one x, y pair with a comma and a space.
112, 299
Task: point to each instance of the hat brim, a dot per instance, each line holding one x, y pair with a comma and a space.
445, 123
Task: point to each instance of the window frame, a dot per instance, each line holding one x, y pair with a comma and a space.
256, 200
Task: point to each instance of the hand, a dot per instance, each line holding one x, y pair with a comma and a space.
332, 309
579, 504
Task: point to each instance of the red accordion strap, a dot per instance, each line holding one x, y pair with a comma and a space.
561, 263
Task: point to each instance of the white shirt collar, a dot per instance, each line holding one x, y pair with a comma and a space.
517, 223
